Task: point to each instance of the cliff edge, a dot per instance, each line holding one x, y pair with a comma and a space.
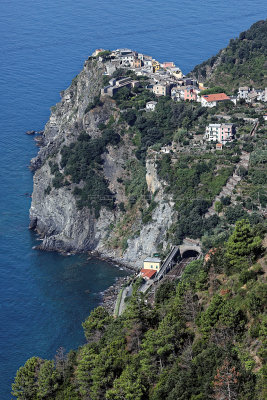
79, 201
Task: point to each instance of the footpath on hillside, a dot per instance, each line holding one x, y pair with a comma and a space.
228, 189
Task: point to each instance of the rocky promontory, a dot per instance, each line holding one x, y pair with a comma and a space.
64, 212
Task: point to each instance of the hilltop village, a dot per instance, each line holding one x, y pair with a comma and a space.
166, 79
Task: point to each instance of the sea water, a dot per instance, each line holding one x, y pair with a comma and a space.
44, 297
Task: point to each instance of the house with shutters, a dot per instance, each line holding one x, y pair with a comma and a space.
220, 133
152, 263
161, 89
191, 93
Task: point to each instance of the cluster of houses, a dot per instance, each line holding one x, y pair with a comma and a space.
161, 77
166, 79
142, 64
251, 95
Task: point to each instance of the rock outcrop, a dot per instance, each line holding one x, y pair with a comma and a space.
54, 213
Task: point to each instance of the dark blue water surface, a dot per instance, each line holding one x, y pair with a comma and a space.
44, 297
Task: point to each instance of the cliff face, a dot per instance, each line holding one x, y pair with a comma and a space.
54, 213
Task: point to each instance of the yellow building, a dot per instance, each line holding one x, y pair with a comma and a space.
177, 73
201, 86
155, 65
152, 263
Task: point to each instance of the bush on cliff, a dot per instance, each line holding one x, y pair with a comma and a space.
83, 164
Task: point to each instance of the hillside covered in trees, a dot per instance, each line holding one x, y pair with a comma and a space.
203, 337
243, 61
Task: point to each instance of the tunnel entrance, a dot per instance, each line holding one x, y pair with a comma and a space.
190, 253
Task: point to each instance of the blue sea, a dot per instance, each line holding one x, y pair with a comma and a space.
44, 297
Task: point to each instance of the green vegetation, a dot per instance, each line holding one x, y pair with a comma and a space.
159, 127
215, 89
204, 337
194, 180
242, 62
104, 54
147, 214
135, 186
242, 247
81, 162
117, 307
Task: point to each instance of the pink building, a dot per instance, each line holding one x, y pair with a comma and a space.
221, 133
168, 64
190, 94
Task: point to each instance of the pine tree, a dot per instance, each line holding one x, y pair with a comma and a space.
25, 383
127, 387
48, 379
242, 246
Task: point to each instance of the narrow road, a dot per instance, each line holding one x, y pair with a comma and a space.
146, 286
126, 292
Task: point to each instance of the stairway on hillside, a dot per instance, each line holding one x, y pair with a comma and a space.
231, 183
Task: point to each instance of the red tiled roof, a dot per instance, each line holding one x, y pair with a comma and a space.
216, 97
148, 273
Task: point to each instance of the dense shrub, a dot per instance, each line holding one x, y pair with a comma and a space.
82, 161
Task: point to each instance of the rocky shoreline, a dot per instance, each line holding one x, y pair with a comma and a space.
109, 296
113, 261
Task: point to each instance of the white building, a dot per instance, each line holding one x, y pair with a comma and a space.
260, 95
148, 64
251, 95
233, 99
211, 100
177, 94
151, 105
243, 92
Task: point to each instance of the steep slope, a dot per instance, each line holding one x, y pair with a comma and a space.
242, 62
78, 200
203, 337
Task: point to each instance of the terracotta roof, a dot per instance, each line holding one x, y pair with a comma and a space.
148, 273
216, 97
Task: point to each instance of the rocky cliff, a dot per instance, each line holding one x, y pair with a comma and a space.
117, 231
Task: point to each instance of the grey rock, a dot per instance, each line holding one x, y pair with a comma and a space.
55, 216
